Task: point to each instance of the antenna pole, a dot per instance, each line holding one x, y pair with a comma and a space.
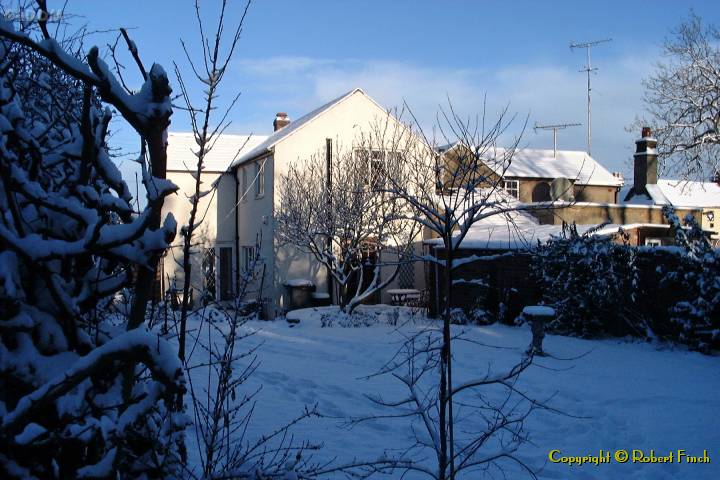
589, 69
555, 129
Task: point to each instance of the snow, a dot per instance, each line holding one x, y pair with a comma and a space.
616, 393
679, 193
182, 147
299, 282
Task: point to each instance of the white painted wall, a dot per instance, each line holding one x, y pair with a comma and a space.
344, 124
205, 235
255, 217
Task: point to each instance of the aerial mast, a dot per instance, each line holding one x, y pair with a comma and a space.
589, 69
555, 129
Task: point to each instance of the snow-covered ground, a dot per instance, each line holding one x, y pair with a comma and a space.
631, 395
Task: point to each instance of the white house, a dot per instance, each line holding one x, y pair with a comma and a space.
182, 163
246, 198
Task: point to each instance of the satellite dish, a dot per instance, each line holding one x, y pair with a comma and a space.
562, 189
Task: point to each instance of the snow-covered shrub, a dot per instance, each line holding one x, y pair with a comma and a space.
588, 281
355, 319
82, 395
697, 276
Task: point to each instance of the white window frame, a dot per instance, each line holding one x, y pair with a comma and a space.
244, 175
653, 242
247, 256
259, 179
510, 189
372, 159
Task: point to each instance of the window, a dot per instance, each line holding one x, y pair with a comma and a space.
208, 268
248, 259
259, 179
244, 190
653, 242
512, 187
406, 271
225, 270
373, 162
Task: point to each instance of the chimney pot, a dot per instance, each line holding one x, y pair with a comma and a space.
281, 120
646, 132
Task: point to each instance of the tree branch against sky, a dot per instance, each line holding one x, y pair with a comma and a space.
682, 98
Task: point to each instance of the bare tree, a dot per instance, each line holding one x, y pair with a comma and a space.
448, 186
348, 222
683, 100
207, 127
492, 401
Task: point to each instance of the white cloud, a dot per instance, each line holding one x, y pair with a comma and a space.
548, 93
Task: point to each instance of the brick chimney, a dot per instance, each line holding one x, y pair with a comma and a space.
645, 162
281, 120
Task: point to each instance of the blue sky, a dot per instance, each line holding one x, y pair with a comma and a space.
296, 55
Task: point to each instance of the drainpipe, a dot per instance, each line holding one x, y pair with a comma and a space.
328, 184
237, 230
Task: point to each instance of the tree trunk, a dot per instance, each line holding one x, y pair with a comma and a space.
446, 408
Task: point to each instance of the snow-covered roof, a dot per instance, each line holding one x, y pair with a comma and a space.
516, 229
539, 163
680, 193
291, 128
182, 145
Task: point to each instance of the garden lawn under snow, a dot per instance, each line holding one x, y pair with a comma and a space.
631, 395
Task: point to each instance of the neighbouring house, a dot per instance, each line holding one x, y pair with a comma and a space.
246, 199
207, 274
648, 189
536, 175
502, 280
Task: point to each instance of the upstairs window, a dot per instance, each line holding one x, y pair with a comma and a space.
512, 187
373, 164
244, 190
259, 179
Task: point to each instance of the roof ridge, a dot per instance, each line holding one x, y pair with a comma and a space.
279, 135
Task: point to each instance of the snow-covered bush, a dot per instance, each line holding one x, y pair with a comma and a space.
697, 276
588, 280
600, 287
83, 394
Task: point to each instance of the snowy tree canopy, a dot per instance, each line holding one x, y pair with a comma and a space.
81, 394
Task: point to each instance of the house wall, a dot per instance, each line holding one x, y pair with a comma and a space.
582, 193
711, 225
205, 235
595, 193
593, 213
255, 223
344, 124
